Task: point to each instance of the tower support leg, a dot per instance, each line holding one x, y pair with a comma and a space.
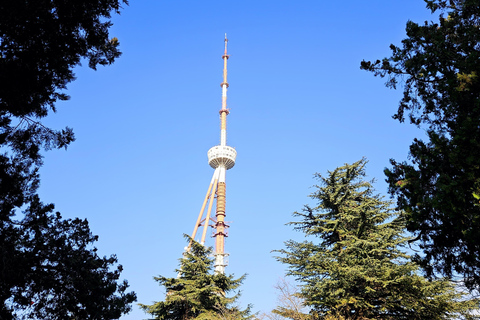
210, 204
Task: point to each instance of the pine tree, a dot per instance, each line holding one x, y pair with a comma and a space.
49, 267
198, 293
355, 268
437, 66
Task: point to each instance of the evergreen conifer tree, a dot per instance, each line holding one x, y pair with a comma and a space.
438, 189
49, 267
197, 292
354, 268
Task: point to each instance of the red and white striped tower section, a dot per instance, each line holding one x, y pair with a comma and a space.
221, 158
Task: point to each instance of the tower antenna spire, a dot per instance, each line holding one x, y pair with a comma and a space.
221, 158
226, 40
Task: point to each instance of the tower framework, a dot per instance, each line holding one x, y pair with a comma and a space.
221, 158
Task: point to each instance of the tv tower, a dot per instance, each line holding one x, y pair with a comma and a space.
221, 158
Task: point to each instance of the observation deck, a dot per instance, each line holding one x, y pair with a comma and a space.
219, 155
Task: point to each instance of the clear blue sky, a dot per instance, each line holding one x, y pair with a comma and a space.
299, 105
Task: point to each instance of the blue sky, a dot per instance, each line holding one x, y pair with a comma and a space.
299, 104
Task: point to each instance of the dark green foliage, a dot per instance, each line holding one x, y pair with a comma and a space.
48, 266
41, 41
198, 293
438, 67
353, 266
40, 44
54, 273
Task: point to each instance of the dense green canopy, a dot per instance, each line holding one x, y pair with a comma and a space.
353, 265
438, 65
197, 292
49, 268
